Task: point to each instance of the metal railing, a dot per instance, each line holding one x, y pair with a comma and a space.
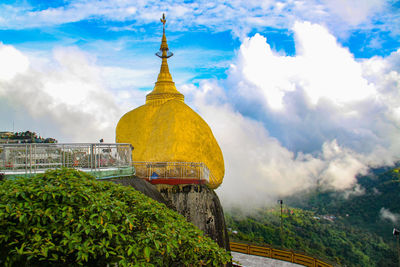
100, 159
174, 170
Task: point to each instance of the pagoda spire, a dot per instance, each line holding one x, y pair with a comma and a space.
164, 51
164, 89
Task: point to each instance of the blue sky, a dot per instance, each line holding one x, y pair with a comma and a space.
366, 28
305, 87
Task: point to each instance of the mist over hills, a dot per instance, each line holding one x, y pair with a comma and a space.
349, 228
375, 207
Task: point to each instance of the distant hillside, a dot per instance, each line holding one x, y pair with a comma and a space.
349, 231
24, 137
381, 193
319, 236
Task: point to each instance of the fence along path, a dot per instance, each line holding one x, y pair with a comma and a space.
278, 254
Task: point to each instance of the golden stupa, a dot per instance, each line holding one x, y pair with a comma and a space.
165, 129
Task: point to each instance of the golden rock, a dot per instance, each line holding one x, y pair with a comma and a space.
165, 129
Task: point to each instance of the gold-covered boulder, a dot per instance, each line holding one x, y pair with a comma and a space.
166, 130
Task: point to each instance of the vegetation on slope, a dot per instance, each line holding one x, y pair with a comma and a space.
381, 190
67, 218
348, 230
306, 232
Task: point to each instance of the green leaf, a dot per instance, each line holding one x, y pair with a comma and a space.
130, 250
21, 249
44, 251
147, 253
109, 233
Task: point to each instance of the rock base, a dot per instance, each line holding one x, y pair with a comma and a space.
200, 205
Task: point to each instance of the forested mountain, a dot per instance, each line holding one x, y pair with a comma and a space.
344, 229
370, 210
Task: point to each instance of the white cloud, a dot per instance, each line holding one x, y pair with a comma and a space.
318, 63
322, 93
388, 215
14, 62
260, 67
64, 98
321, 61
260, 170
354, 11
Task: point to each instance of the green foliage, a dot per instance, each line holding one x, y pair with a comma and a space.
26, 137
311, 234
67, 218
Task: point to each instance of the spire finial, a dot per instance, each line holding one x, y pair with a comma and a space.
163, 21
164, 53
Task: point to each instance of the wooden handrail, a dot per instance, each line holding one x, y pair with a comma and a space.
277, 254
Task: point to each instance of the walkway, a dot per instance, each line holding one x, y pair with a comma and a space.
247, 260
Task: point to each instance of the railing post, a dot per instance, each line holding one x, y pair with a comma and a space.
150, 173
63, 156
30, 158
96, 160
26, 159
91, 157
34, 157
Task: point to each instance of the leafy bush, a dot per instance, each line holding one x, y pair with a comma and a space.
66, 217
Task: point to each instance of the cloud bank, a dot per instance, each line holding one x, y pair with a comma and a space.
290, 123
64, 97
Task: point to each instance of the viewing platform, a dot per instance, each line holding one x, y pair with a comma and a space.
102, 160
